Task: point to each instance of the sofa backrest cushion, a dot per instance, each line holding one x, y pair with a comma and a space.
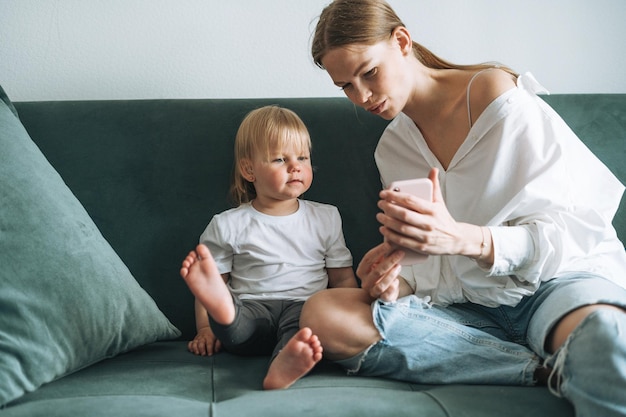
152, 173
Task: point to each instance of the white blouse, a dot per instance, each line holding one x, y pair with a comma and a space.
546, 198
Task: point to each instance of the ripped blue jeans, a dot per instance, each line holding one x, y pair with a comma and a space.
472, 344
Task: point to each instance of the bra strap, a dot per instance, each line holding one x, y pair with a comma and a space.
469, 112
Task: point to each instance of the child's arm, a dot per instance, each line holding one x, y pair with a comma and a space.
205, 343
341, 277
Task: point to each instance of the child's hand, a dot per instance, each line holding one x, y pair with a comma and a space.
205, 343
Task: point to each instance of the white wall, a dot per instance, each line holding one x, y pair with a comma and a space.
134, 49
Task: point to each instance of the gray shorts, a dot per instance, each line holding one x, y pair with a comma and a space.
261, 327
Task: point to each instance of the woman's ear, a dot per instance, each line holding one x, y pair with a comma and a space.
402, 37
245, 169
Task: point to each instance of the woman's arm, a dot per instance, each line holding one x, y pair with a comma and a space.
428, 227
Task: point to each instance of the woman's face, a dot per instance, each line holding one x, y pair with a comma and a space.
374, 77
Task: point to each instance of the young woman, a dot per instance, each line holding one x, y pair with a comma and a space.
257, 263
525, 269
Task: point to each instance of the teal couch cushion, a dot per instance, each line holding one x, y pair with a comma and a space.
66, 299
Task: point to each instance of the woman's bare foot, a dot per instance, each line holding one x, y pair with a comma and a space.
206, 283
294, 361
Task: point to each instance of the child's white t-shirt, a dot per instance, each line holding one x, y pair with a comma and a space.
277, 257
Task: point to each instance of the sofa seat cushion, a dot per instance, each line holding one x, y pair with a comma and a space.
157, 369
66, 300
166, 380
112, 406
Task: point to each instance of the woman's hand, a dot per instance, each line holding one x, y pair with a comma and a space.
420, 225
378, 271
205, 343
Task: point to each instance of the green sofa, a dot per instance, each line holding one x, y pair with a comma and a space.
150, 174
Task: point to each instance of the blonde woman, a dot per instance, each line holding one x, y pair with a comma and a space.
526, 275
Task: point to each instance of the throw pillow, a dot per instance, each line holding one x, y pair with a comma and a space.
66, 298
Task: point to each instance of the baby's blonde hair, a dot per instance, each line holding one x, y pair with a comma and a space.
367, 22
261, 131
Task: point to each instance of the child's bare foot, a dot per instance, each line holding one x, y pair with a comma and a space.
206, 283
294, 361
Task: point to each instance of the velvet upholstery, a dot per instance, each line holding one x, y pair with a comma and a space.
66, 299
151, 173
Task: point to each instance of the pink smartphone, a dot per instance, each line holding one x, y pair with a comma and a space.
422, 188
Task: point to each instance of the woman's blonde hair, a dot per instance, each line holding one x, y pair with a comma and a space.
262, 131
367, 22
